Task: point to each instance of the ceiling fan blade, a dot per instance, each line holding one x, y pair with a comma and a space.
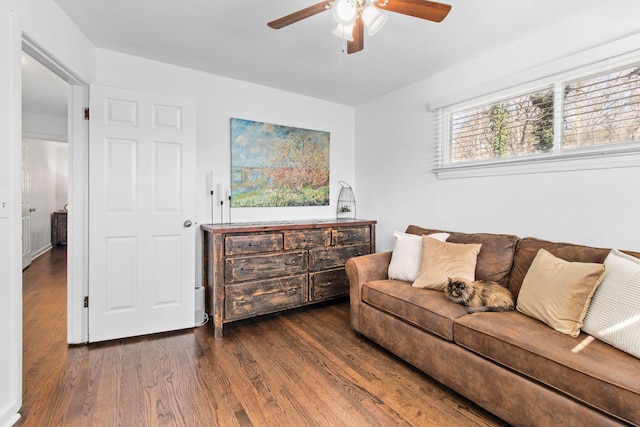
423, 9
301, 14
358, 37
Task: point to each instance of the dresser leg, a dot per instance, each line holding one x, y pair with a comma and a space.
217, 329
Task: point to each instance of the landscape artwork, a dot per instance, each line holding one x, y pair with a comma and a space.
278, 166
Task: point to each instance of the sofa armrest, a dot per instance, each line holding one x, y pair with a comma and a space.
361, 270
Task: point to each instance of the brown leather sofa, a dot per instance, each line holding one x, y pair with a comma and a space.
514, 366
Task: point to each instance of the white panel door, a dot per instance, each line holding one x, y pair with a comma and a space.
26, 209
141, 198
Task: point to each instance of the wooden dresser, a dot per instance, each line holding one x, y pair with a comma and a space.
250, 269
58, 228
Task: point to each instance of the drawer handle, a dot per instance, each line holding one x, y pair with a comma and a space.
246, 300
326, 284
292, 291
291, 263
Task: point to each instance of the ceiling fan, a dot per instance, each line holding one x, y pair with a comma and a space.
353, 16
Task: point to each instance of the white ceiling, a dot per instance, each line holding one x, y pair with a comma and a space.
43, 92
231, 38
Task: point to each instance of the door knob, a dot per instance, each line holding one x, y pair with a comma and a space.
188, 223
32, 209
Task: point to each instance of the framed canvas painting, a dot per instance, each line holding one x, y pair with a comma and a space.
278, 166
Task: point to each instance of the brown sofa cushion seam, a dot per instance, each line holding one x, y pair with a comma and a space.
422, 328
543, 384
525, 374
600, 378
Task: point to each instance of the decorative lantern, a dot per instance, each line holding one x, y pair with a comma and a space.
346, 208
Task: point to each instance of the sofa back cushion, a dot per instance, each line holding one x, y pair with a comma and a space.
496, 254
528, 248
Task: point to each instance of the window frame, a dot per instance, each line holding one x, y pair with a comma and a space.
603, 156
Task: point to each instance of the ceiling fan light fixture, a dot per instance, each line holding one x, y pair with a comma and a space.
373, 19
345, 12
344, 32
353, 16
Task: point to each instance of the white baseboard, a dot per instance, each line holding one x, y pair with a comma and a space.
41, 251
12, 420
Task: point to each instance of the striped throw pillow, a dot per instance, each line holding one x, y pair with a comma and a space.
614, 313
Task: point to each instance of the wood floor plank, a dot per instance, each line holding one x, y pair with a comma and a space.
303, 367
317, 383
393, 383
358, 403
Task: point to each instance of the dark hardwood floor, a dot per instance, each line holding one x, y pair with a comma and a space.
301, 368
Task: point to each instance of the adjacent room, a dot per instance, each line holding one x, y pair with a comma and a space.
334, 213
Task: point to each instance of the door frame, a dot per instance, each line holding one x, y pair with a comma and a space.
78, 195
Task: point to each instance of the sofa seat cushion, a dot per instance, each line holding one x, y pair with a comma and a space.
427, 309
584, 368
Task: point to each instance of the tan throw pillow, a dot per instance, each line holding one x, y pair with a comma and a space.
558, 292
441, 260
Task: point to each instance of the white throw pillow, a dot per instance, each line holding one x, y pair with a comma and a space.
407, 254
614, 313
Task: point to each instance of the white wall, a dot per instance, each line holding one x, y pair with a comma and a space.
218, 99
44, 23
45, 136
395, 144
61, 176
44, 126
48, 165
10, 288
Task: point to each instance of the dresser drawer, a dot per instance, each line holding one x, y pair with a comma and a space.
328, 284
264, 266
265, 296
252, 244
307, 239
322, 259
351, 235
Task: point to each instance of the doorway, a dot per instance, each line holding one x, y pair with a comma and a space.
44, 159
44, 185
76, 131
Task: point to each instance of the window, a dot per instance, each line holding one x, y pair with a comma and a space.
602, 110
565, 117
510, 127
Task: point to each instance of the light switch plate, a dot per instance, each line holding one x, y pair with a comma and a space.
5, 206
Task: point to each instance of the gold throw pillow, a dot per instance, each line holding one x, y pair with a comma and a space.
558, 292
441, 260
